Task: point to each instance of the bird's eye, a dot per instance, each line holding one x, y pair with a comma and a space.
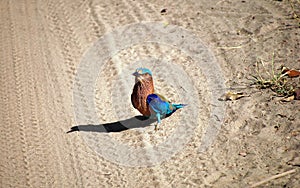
140, 71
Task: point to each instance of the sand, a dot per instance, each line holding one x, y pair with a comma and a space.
46, 48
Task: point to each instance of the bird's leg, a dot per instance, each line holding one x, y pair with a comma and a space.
158, 122
156, 127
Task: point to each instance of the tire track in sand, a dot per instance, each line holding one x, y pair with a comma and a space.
61, 92
156, 172
21, 168
83, 167
37, 154
42, 158
8, 148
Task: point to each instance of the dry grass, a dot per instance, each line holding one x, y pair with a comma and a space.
272, 78
295, 4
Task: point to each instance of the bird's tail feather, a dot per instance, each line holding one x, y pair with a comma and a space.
178, 106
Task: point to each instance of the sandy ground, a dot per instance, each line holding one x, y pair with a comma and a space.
42, 44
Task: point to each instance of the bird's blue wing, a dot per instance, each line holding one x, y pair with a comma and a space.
159, 106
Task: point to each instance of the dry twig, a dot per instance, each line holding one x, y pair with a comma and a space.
273, 177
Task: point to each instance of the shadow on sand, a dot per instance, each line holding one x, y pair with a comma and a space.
118, 126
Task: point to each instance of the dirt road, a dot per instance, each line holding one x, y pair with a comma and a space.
43, 43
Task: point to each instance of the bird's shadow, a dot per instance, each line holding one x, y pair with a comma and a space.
118, 126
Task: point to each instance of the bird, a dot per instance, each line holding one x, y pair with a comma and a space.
159, 107
142, 88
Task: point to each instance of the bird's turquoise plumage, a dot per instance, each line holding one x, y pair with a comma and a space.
143, 71
160, 108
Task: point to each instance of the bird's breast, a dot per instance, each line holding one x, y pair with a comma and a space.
139, 97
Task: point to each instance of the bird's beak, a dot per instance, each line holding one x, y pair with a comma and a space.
135, 74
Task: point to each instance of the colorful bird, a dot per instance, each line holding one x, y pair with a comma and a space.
142, 88
161, 108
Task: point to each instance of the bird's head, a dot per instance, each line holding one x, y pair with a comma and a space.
142, 75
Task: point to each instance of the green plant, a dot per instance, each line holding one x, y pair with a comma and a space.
272, 79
